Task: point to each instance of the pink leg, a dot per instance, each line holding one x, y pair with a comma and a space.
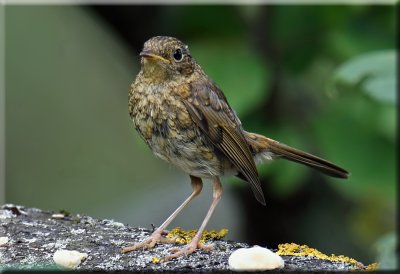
157, 237
194, 244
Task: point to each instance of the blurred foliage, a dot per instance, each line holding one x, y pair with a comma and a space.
386, 250
373, 73
319, 78
242, 71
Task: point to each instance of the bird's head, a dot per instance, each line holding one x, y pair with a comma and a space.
164, 57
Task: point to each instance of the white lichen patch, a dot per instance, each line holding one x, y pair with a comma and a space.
254, 259
28, 224
41, 233
6, 214
87, 220
69, 259
29, 241
59, 244
3, 241
118, 242
77, 231
113, 223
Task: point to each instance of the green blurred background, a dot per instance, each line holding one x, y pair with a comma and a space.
320, 78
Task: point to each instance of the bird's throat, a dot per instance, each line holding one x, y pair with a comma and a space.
155, 71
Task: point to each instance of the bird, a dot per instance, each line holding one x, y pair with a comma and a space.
186, 120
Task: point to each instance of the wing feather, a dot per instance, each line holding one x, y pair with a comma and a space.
219, 122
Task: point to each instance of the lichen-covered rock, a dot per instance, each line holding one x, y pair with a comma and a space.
34, 236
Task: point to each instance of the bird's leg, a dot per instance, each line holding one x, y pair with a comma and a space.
195, 243
157, 235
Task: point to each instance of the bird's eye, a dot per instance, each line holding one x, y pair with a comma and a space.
178, 56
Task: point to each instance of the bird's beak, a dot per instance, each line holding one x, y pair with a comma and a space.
147, 54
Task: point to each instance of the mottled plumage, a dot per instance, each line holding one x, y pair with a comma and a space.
186, 120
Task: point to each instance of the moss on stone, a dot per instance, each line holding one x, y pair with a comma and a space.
293, 249
185, 236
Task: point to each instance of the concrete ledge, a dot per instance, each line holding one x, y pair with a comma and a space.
34, 236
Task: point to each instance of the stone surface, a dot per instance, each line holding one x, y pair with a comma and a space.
35, 235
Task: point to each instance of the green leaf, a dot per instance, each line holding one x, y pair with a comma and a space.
373, 73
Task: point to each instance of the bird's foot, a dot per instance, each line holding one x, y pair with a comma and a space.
186, 250
150, 242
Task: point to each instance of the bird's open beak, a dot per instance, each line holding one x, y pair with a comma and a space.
151, 56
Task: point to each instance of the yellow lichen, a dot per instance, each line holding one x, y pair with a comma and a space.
155, 260
372, 267
185, 236
303, 250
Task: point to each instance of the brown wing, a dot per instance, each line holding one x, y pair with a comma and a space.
211, 112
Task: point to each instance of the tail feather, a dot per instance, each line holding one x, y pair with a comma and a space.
264, 148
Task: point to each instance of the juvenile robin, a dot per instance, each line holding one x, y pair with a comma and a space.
186, 120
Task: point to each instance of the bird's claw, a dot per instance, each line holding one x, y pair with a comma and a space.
186, 250
150, 242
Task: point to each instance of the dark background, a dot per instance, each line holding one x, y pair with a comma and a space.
293, 73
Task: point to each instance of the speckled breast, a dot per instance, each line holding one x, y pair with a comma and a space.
165, 125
